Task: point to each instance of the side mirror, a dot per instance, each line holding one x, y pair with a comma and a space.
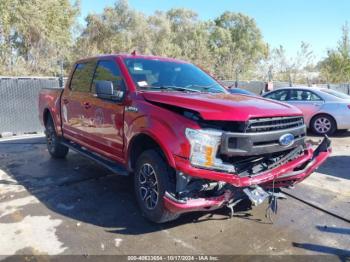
105, 90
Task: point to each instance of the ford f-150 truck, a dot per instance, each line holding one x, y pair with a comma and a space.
189, 144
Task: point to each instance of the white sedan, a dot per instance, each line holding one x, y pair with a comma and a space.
325, 110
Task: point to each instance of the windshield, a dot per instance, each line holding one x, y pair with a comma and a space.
240, 91
336, 93
166, 75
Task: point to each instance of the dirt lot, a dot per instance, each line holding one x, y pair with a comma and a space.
73, 206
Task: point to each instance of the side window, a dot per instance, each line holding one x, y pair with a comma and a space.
314, 97
278, 95
108, 70
82, 77
303, 95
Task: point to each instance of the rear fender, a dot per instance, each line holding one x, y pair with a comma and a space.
56, 120
49, 104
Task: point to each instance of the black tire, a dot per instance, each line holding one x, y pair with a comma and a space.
323, 125
54, 146
152, 174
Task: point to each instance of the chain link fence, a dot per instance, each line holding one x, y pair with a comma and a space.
19, 103
19, 100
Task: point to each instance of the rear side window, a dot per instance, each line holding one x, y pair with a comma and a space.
278, 95
82, 77
108, 70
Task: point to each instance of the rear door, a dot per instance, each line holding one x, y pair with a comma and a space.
307, 101
74, 102
106, 117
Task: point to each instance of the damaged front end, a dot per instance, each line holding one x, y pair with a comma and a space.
249, 165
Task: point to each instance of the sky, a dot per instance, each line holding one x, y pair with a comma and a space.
282, 22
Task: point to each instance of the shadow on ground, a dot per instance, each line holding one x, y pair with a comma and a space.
336, 230
343, 254
81, 190
337, 134
336, 162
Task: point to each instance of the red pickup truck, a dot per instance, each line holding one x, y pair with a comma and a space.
189, 144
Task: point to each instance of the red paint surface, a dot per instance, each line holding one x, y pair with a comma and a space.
81, 124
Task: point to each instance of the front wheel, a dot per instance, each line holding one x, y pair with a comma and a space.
152, 180
323, 125
54, 146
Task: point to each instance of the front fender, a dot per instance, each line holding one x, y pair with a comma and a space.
165, 127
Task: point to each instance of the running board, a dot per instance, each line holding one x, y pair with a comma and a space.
112, 166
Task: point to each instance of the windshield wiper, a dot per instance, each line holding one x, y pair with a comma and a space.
207, 87
178, 88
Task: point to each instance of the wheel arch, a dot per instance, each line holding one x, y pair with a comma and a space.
48, 113
325, 114
145, 141
322, 113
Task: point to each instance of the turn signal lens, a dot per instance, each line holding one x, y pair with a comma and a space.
209, 156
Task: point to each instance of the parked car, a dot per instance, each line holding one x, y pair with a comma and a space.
336, 93
324, 110
234, 90
188, 143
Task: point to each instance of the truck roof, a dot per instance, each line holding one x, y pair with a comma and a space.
136, 56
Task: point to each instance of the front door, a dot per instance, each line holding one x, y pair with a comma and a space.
106, 117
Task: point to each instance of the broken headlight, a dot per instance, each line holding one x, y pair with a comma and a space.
204, 147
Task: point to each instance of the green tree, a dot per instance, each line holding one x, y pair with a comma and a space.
35, 34
223, 46
118, 29
336, 66
237, 44
284, 68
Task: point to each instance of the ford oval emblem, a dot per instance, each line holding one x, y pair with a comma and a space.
286, 140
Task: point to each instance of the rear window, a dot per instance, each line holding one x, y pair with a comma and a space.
336, 93
82, 77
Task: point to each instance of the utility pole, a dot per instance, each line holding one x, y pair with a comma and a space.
270, 76
60, 79
237, 73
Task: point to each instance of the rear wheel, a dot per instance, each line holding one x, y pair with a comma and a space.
152, 180
323, 125
54, 146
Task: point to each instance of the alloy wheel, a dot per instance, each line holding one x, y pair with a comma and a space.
50, 138
322, 125
148, 186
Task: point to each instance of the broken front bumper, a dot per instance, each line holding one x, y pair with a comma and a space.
285, 175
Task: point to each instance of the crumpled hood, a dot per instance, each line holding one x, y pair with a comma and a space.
225, 107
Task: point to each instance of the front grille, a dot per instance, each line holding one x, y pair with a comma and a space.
257, 125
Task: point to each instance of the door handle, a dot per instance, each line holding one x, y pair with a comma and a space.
87, 105
65, 101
